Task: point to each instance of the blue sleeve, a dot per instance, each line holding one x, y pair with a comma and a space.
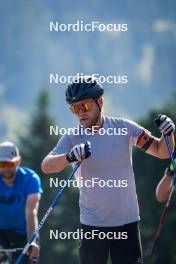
33, 185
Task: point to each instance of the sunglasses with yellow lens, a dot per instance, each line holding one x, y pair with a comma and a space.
85, 107
7, 164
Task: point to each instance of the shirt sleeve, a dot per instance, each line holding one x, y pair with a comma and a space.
63, 146
33, 185
134, 130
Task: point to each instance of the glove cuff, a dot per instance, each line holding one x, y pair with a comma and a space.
69, 158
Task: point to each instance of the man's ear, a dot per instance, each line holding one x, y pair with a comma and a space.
18, 162
100, 101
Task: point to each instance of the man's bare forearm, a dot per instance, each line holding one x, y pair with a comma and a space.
159, 147
162, 146
163, 189
31, 213
54, 163
32, 222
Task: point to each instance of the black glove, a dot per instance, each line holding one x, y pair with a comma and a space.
165, 124
79, 152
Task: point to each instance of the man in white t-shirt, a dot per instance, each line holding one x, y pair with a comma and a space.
109, 211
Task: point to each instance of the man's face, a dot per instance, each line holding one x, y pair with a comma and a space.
7, 169
87, 111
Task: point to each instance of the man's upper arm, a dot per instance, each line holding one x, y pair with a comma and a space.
142, 138
153, 149
33, 184
135, 133
146, 142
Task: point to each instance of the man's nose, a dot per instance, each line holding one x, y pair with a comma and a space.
81, 112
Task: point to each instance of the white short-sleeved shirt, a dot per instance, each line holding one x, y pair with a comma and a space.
111, 159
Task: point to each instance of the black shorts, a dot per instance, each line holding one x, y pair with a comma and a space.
123, 246
10, 239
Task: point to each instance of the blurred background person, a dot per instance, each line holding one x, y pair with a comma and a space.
20, 193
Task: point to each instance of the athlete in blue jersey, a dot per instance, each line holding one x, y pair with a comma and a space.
20, 193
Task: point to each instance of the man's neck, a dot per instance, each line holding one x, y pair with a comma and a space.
99, 123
